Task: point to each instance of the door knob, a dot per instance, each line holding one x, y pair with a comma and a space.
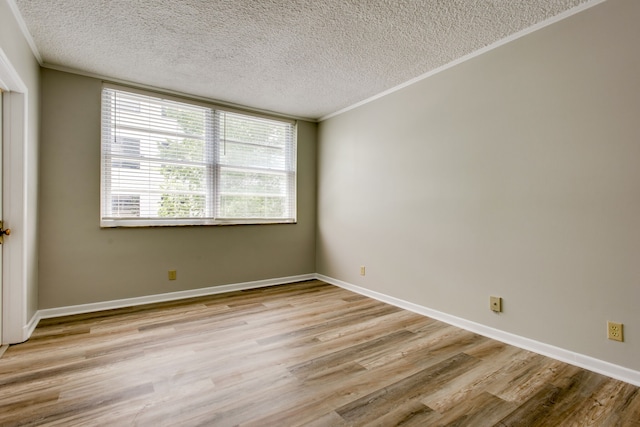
3, 232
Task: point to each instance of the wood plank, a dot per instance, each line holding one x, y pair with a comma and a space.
382, 401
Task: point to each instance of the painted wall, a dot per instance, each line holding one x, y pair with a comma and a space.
81, 263
516, 174
18, 52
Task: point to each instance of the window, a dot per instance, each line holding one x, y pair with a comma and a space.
175, 163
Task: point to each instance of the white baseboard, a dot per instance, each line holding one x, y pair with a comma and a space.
577, 359
171, 296
29, 327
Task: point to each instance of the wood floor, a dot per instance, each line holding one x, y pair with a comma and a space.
302, 354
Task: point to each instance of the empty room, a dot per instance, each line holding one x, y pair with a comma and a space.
320, 213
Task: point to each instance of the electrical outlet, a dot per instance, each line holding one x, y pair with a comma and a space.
495, 304
362, 270
173, 274
614, 331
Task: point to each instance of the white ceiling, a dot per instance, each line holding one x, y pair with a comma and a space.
305, 58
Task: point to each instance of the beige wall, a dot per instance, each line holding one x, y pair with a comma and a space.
81, 263
516, 174
17, 50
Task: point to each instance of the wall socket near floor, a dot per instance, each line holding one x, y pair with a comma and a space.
362, 270
173, 274
614, 331
495, 304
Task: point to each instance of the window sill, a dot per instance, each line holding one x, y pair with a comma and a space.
135, 223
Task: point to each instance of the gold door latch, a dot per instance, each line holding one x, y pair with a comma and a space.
3, 232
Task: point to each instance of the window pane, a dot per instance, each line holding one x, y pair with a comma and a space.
238, 206
257, 167
255, 142
176, 205
157, 149
253, 130
262, 156
249, 182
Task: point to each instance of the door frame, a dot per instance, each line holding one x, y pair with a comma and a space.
15, 325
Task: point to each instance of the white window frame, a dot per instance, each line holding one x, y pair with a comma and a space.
213, 171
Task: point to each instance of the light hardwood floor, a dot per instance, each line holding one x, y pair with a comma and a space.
302, 354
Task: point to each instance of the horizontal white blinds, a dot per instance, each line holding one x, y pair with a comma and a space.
166, 162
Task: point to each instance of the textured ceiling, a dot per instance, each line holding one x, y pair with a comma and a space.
306, 58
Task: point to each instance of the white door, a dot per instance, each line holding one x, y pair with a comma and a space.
2, 230
1, 120
16, 327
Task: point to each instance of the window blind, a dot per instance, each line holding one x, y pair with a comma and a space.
166, 162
